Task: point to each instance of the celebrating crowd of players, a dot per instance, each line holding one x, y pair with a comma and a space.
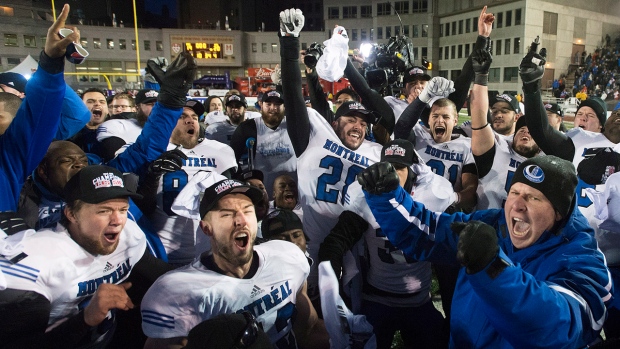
136, 223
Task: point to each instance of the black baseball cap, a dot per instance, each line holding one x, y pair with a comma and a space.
146, 96
97, 183
196, 106
224, 187
273, 96
554, 108
245, 176
278, 222
236, 98
510, 99
228, 331
399, 151
416, 73
353, 108
14, 80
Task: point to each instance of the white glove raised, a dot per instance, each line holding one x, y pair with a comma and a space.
291, 22
436, 88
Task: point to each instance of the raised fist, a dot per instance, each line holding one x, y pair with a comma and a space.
379, 178
291, 22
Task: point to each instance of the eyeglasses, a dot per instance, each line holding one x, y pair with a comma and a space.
248, 337
120, 107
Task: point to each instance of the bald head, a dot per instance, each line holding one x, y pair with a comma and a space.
62, 160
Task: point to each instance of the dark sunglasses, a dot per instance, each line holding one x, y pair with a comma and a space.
248, 337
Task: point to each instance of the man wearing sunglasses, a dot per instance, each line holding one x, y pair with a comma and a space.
268, 280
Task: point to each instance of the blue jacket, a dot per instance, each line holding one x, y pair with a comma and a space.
553, 294
74, 115
26, 140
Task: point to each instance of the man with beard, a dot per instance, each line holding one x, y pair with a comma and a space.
190, 153
86, 138
496, 158
268, 280
329, 155
504, 112
235, 109
69, 286
264, 144
126, 124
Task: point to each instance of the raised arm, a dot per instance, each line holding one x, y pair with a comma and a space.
74, 115
551, 141
298, 123
317, 98
482, 137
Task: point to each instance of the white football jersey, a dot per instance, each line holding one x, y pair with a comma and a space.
53, 265
327, 169
274, 153
126, 129
446, 159
220, 131
493, 187
181, 299
215, 116
397, 105
182, 236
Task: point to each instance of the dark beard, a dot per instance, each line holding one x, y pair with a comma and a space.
528, 152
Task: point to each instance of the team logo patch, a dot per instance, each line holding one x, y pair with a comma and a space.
108, 180
227, 185
151, 94
505, 97
548, 106
234, 98
273, 94
356, 106
176, 47
395, 150
416, 71
534, 174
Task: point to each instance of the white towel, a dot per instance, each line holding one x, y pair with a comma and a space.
334, 59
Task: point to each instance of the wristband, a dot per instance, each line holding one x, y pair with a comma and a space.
481, 79
480, 128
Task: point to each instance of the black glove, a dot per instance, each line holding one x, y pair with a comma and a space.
169, 161
477, 246
481, 61
175, 81
11, 223
379, 178
532, 68
345, 234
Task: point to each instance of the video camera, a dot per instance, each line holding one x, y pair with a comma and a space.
313, 53
385, 63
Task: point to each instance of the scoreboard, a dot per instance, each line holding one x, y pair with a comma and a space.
204, 50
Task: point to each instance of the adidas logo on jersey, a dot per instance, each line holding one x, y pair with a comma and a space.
445, 146
108, 267
256, 291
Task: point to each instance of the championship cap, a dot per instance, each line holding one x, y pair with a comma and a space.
599, 107
228, 186
228, 331
520, 123
554, 177
245, 176
14, 80
272, 96
196, 106
146, 96
353, 108
97, 183
554, 108
510, 99
399, 151
279, 221
236, 98
416, 73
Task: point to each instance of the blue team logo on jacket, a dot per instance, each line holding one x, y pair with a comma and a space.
534, 173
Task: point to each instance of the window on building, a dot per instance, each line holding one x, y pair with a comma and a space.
11, 62
508, 18
474, 21
383, 9
518, 16
274, 48
349, 12
455, 73
366, 11
353, 34
388, 31
443, 74
415, 31
363, 34
109, 44
372, 34
147, 45
453, 52
6, 11
440, 30
254, 48
379, 33
122, 44
396, 30
467, 25
133, 45
159, 46
402, 7
30, 41
406, 30
415, 53
440, 52
263, 47
466, 50
10, 39
96, 43
333, 12
446, 53
511, 74
494, 74
507, 46
454, 28
498, 47
419, 6
44, 40
424, 30
550, 23
424, 52
460, 51
516, 47
461, 26
499, 22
